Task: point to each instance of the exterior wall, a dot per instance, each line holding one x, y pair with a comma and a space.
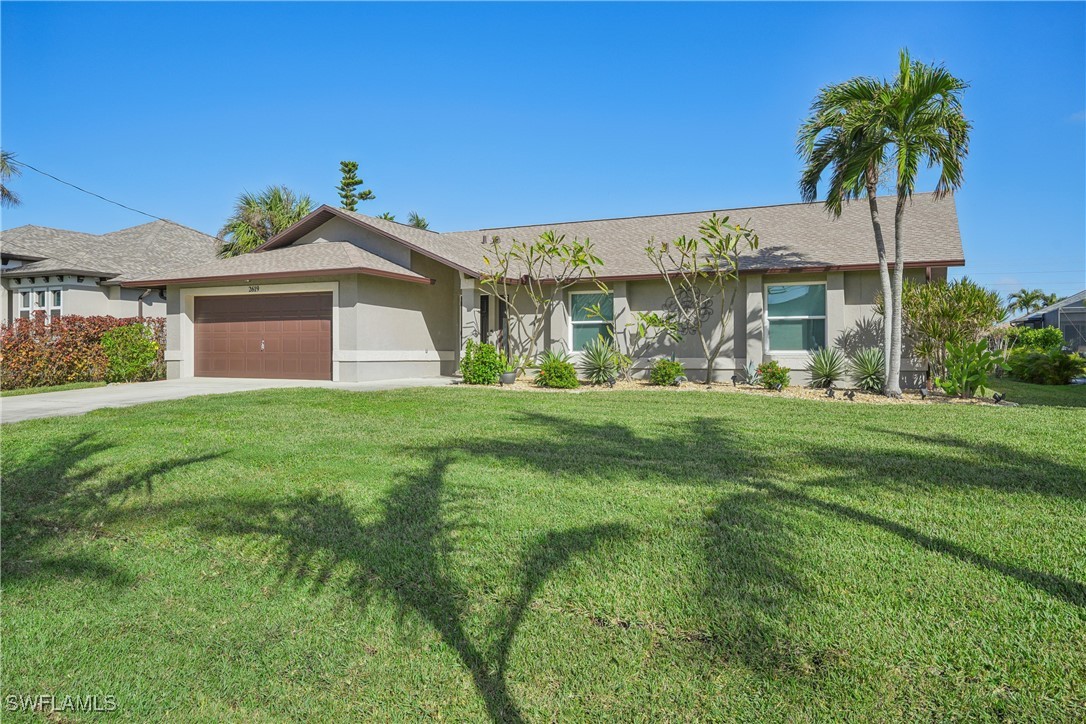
86, 298
381, 328
851, 323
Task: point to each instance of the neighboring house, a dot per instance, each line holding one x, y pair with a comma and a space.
69, 272
1068, 315
349, 297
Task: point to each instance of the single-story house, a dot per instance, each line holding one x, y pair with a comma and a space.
1068, 315
345, 296
69, 272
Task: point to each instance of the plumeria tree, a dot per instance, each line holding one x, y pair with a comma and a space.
701, 271
535, 274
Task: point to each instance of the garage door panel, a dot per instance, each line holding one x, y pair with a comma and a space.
295, 329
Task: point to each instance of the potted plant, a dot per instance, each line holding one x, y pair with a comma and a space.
509, 373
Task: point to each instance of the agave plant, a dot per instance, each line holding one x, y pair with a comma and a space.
867, 370
826, 367
751, 375
599, 361
550, 356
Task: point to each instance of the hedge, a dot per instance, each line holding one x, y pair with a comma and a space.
37, 353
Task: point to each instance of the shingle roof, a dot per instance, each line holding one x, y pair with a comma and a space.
138, 251
792, 236
1066, 301
320, 258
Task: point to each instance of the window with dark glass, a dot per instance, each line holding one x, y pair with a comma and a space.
797, 317
592, 315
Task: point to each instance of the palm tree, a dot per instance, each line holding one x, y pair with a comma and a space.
259, 217
834, 138
419, 222
1030, 300
8, 169
913, 118
387, 216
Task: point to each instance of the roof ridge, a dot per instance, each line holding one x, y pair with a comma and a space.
656, 216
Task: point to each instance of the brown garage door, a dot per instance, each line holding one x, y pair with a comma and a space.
274, 336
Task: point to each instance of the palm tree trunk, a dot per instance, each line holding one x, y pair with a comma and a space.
884, 272
893, 379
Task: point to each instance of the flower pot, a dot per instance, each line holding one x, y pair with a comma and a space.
508, 378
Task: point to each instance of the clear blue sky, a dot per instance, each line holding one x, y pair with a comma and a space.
489, 115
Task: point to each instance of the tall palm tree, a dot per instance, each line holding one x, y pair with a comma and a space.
259, 217
835, 138
419, 222
1030, 300
8, 169
917, 117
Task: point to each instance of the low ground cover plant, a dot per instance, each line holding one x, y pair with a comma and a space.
664, 371
41, 352
773, 374
826, 367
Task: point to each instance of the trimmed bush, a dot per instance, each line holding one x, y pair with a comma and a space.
826, 367
1043, 338
38, 352
1044, 367
481, 363
866, 369
664, 371
772, 374
131, 352
558, 373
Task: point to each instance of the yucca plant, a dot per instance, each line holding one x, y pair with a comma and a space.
867, 371
599, 361
826, 367
550, 357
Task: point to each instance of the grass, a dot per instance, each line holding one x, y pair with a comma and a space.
1055, 395
471, 554
53, 388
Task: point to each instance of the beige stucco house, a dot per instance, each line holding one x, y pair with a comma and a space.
62, 272
349, 297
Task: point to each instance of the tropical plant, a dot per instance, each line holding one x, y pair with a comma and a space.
387, 216
349, 196
751, 375
643, 334
600, 361
826, 366
867, 368
967, 368
772, 374
419, 222
551, 356
665, 371
481, 364
131, 352
938, 313
1051, 366
1029, 300
863, 125
699, 270
541, 270
259, 217
8, 169
558, 373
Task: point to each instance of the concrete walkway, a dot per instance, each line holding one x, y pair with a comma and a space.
77, 402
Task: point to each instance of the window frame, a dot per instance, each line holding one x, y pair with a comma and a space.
767, 318
584, 322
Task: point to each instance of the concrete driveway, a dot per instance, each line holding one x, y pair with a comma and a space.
77, 402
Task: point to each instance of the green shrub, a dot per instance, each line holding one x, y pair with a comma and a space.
558, 373
866, 369
600, 361
826, 367
131, 352
481, 363
1044, 367
967, 368
772, 374
550, 357
664, 371
1043, 338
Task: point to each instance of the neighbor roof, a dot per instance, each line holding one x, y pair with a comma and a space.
131, 253
317, 259
794, 237
1066, 301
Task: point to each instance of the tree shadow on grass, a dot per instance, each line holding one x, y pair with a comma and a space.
405, 556
58, 490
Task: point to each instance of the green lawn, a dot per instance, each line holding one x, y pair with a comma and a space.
1053, 395
54, 388
463, 554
